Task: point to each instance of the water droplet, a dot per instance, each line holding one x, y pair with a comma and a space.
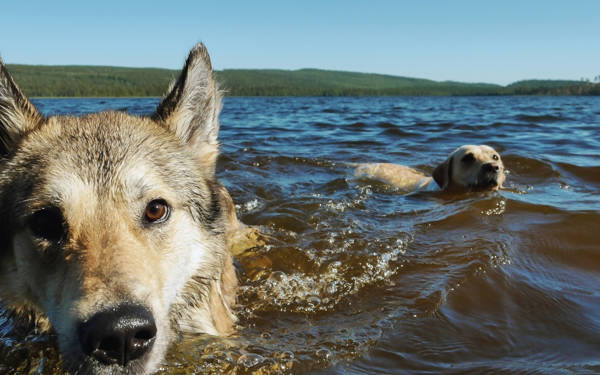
313, 300
250, 360
324, 354
277, 276
287, 356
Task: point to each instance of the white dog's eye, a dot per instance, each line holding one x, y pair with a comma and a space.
495, 157
157, 211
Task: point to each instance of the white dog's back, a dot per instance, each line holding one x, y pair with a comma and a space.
400, 176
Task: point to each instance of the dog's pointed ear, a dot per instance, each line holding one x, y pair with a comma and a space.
442, 174
191, 108
17, 114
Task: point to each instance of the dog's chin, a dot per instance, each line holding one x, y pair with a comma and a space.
94, 367
81, 364
486, 182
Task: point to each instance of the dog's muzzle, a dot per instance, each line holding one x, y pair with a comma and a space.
119, 335
488, 175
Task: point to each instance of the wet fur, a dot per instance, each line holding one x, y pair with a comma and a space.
451, 175
101, 170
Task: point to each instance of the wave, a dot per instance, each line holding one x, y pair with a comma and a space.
514, 126
358, 126
540, 118
386, 125
396, 132
325, 125
589, 174
334, 110
529, 170
538, 171
293, 160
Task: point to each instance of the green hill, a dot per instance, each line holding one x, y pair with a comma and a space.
553, 87
328, 83
105, 81
74, 80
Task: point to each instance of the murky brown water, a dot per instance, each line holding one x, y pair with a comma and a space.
358, 278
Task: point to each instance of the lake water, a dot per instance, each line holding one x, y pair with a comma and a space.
358, 278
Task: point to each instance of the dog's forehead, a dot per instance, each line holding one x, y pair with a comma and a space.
97, 152
111, 133
476, 150
487, 153
486, 149
463, 150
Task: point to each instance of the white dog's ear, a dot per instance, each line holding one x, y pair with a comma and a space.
191, 108
442, 174
17, 114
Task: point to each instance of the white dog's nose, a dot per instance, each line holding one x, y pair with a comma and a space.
490, 167
119, 335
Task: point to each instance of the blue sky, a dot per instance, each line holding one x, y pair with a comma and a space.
471, 41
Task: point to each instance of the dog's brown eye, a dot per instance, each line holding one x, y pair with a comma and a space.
48, 224
495, 157
157, 211
468, 158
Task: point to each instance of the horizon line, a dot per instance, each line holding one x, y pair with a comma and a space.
582, 80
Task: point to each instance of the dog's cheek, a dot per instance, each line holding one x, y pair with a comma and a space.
187, 253
466, 177
25, 266
10, 290
43, 280
501, 177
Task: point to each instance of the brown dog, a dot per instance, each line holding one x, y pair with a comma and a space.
114, 229
468, 167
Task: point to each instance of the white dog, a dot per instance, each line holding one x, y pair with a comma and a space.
467, 168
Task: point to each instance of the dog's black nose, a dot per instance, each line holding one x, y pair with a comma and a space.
119, 335
490, 167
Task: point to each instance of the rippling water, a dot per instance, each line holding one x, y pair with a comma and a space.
358, 278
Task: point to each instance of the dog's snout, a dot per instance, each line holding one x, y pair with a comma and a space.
490, 167
119, 335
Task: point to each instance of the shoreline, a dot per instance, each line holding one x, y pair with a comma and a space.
327, 96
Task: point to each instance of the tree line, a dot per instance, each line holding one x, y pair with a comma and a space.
99, 81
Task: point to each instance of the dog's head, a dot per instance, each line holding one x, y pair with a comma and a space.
111, 225
471, 167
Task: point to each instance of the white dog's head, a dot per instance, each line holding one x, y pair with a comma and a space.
471, 167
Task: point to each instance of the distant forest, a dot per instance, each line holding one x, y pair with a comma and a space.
104, 81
